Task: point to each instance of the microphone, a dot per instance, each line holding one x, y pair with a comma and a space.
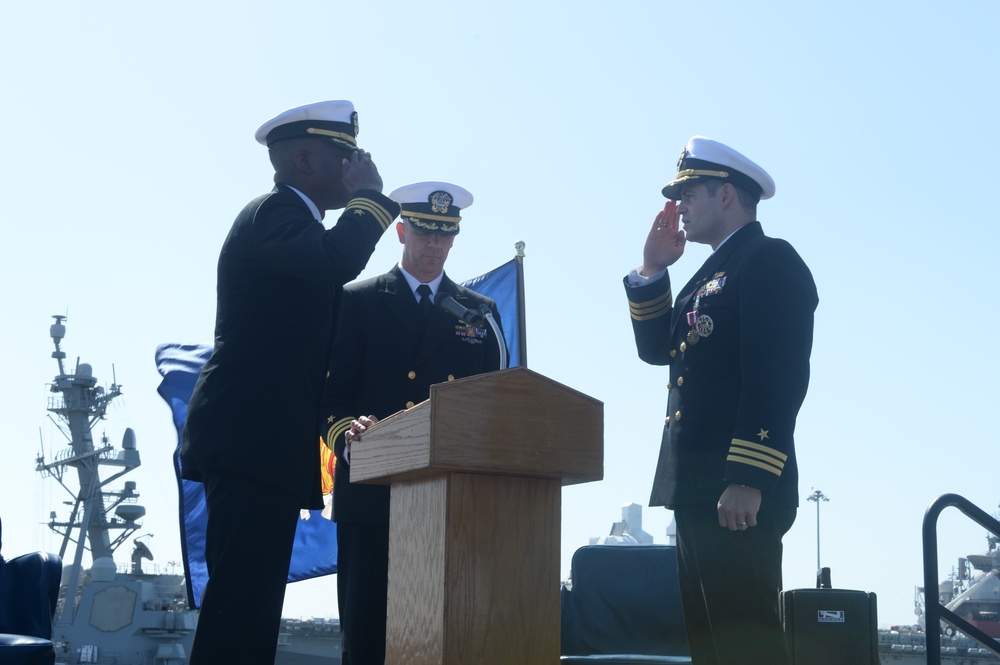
460, 312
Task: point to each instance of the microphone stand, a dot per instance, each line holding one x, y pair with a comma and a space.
501, 342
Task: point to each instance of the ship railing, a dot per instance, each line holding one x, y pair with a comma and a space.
81, 402
68, 456
95, 401
935, 612
150, 568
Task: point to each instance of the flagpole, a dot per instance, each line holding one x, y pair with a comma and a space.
521, 326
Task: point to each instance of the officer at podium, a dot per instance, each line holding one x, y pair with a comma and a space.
391, 345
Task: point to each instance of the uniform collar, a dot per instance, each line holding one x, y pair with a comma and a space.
413, 282
312, 206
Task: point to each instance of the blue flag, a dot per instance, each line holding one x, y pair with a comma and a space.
500, 284
315, 550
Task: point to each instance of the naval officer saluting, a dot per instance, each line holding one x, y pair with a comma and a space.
251, 429
737, 340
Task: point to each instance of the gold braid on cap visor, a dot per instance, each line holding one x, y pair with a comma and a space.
694, 173
448, 224
347, 138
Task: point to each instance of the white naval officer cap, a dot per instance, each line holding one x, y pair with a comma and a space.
432, 206
704, 158
335, 120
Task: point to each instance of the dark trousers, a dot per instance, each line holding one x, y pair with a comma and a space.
362, 591
248, 546
729, 583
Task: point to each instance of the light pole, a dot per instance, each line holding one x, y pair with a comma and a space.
817, 496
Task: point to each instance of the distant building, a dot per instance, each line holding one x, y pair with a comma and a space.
672, 531
629, 530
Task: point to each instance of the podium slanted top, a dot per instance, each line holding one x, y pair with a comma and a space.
512, 422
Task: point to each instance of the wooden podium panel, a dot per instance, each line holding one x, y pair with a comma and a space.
477, 472
513, 422
474, 571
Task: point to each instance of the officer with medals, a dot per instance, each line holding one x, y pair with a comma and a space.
737, 340
391, 345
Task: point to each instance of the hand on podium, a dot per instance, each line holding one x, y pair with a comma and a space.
353, 435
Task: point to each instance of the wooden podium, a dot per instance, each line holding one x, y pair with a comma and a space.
476, 474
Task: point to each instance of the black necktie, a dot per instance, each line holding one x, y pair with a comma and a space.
425, 301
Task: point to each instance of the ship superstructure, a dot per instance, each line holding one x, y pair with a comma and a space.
109, 613
125, 612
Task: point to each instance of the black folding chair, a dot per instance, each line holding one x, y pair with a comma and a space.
29, 589
624, 607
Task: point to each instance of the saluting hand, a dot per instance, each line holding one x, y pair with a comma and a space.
665, 242
360, 172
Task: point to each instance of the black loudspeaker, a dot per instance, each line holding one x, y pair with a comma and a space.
830, 626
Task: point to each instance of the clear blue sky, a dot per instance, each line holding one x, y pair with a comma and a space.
129, 148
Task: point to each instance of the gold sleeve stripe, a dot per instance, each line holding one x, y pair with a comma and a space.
336, 430
767, 459
651, 309
768, 450
381, 214
753, 462
655, 302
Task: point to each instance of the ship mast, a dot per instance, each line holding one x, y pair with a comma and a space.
79, 404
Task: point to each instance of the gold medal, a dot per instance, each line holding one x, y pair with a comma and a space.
692, 336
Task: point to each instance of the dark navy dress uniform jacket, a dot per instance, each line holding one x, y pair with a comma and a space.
734, 393
384, 361
255, 406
